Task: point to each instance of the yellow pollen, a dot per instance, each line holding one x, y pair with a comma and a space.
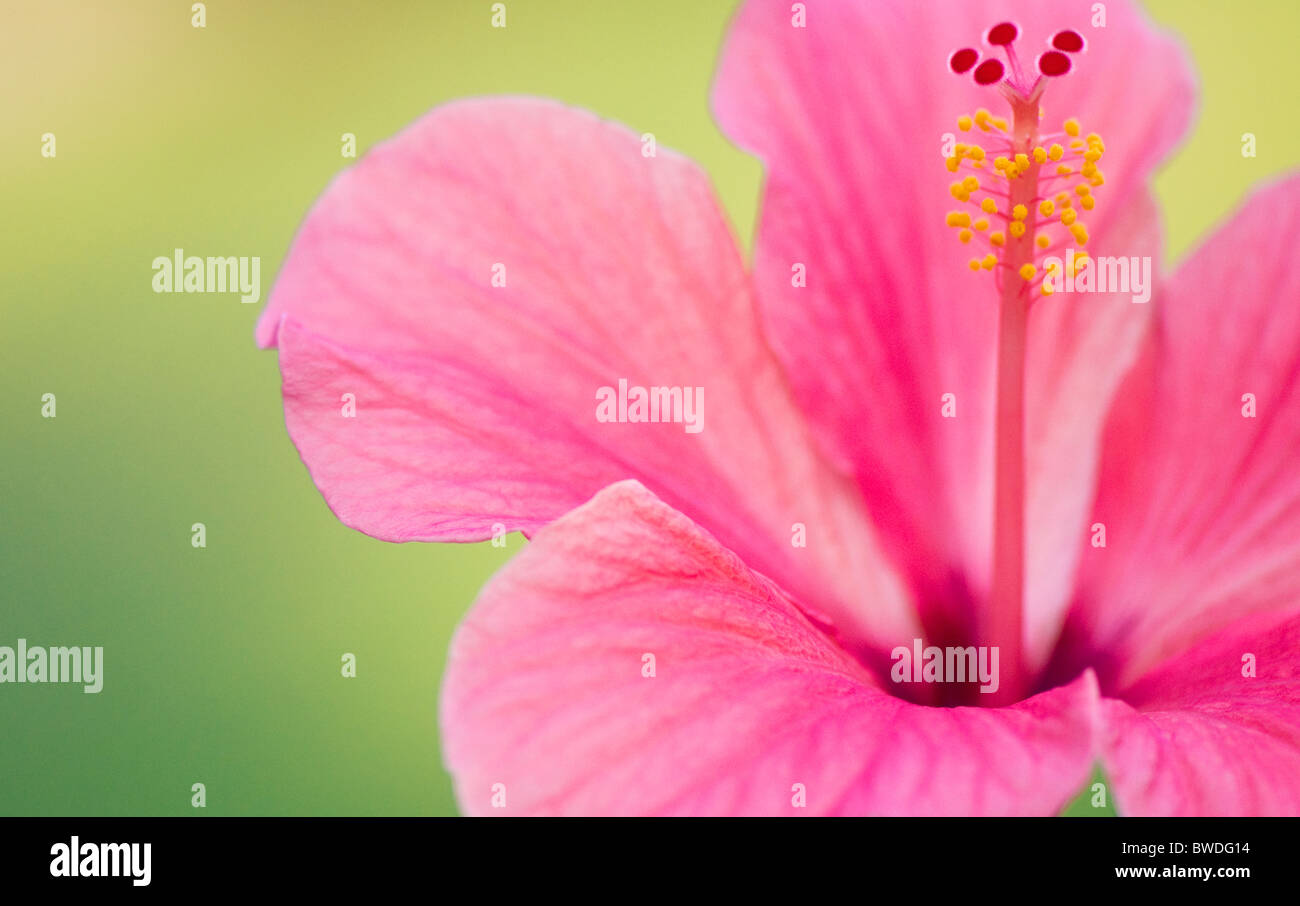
1028, 271
1020, 212
1046, 208
997, 238
990, 261
1039, 155
1062, 198
974, 264
965, 235
1001, 163
1092, 156
975, 153
952, 164
1068, 216
964, 123
1062, 170
989, 206
1071, 127
1087, 202
970, 183
981, 224
982, 119
1000, 123
1022, 162
1056, 152
1082, 189
1043, 240
1016, 228
958, 219
1079, 233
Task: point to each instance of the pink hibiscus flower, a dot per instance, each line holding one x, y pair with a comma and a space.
896, 446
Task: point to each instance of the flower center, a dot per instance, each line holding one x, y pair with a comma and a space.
1027, 192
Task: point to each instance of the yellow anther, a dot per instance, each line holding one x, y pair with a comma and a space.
952, 164
965, 235
989, 206
1076, 145
975, 153
1028, 271
982, 119
1043, 240
1082, 189
1062, 198
1000, 123
1092, 156
1022, 162
1062, 170
1040, 155
997, 239
964, 123
1098, 178
1016, 228
990, 261
1020, 212
1071, 127
958, 219
970, 183
974, 264
981, 224
1089, 169
1046, 208
959, 150
1094, 140
1080, 233
1001, 163
1087, 202
1056, 152
1046, 288
1068, 216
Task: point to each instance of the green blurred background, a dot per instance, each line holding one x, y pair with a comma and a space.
222, 664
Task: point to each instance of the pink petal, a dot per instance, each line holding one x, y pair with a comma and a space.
1202, 505
848, 115
1196, 737
545, 694
476, 405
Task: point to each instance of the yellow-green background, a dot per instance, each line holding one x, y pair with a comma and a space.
222, 665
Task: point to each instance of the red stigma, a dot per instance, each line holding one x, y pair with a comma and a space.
1002, 34
989, 72
962, 60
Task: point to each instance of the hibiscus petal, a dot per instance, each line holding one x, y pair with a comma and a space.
1199, 737
546, 695
476, 404
1201, 504
848, 115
